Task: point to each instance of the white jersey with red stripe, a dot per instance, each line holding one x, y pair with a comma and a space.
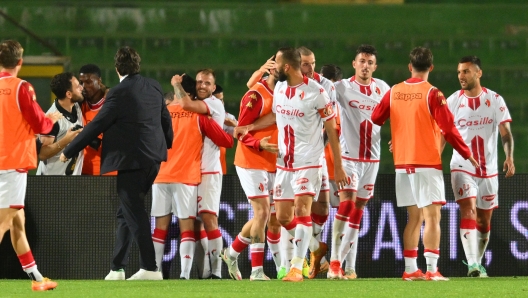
360, 138
300, 111
327, 85
477, 119
211, 153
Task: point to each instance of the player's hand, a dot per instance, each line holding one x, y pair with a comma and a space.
55, 116
241, 131
230, 122
473, 161
70, 135
390, 146
508, 167
177, 79
270, 64
63, 158
340, 177
266, 145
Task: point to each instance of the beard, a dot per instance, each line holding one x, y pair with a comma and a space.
282, 76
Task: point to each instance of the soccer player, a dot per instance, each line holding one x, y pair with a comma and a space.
480, 115
175, 187
69, 94
300, 108
419, 116
360, 146
21, 117
94, 92
230, 123
320, 207
211, 186
255, 161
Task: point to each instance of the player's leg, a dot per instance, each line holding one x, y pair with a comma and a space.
430, 185
209, 192
6, 217
261, 211
487, 201
273, 237
406, 197
184, 206
319, 215
162, 211
201, 253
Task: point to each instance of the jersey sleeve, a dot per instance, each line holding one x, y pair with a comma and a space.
501, 110
382, 111
445, 120
31, 111
214, 106
324, 106
213, 131
250, 109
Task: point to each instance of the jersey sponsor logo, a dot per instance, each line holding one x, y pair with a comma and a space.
357, 105
289, 111
368, 186
6, 91
302, 180
407, 96
181, 114
488, 198
481, 121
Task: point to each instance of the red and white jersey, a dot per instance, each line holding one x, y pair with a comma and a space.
211, 153
360, 137
477, 119
300, 111
327, 85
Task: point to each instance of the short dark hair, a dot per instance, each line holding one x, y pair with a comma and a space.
127, 61
366, 49
304, 51
332, 72
291, 56
218, 89
189, 85
90, 68
169, 96
421, 59
61, 83
471, 59
10, 53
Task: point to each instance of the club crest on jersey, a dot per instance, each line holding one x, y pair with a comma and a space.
261, 187
301, 95
278, 190
378, 90
488, 103
321, 90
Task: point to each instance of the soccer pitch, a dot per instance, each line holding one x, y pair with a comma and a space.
456, 287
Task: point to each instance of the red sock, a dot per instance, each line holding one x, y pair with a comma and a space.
159, 235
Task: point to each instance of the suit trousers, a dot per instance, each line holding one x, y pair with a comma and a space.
133, 221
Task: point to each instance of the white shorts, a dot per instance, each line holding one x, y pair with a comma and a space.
334, 194
209, 192
12, 189
257, 184
289, 184
423, 188
485, 190
176, 198
363, 176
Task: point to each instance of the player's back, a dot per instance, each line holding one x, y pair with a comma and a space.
185, 156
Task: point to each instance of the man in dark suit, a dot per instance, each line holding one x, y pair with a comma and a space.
137, 132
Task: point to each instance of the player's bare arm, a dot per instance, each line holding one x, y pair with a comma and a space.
230, 122
261, 123
50, 148
257, 75
185, 101
507, 144
339, 175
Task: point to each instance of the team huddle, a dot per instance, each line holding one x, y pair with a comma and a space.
307, 141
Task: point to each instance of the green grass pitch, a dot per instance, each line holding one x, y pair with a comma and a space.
387, 287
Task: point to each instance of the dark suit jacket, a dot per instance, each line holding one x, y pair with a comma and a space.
136, 124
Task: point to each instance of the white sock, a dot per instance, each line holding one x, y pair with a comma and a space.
337, 232
187, 248
469, 242
274, 247
431, 258
303, 235
482, 240
33, 273
410, 265
215, 248
286, 247
351, 256
347, 241
159, 249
